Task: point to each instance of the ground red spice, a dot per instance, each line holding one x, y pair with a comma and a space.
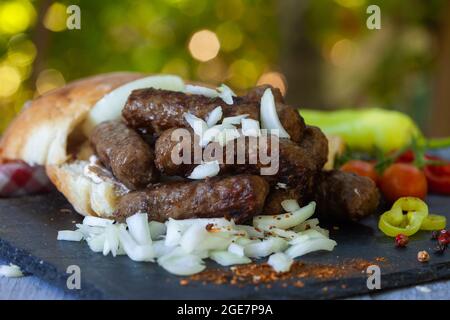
263, 274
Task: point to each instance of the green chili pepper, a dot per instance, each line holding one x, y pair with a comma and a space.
367, 129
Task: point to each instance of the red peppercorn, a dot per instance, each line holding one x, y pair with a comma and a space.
401, 240
444, 239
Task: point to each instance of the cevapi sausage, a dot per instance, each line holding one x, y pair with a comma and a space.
122, 150
238, 197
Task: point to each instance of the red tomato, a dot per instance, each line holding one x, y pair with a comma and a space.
361, 168
403, 180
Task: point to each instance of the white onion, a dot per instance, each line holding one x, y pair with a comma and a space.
157, 229
182, 265
251, 231
211, 133
226, 94
96, 243
69, 235
226, 258
310, 246
97, 222
134, 251
193, 237
285, 220
198, 125
214, 116
308, 224
281, 185
111, 105
235, 120
265, 247
280, 262
199, 90
138, 227
236, 249
205, 170
250, 128
11, 271
307, 235
160, 249
88, 230
227, 135
283, 233
269, 115
111, 240
290, 205
175, 230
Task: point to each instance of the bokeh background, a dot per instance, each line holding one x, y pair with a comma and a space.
319, 52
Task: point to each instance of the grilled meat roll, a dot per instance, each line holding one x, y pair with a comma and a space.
239, 197
122, 150
345, 196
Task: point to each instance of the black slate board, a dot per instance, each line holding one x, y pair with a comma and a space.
29, 225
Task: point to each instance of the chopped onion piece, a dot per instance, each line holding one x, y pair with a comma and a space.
280, 262
290, 205
157, 229
97, 222
11, 271
160, 249
182, 265
199, 90
213, 132
226, 94
307, 235
88, 230
138, 227
251, 231
227, 135
235, 120
69, 235
192, 238
175, 230
111, 240
198, 125
96, 243
214, 116
281, 185
226, 258
308, 224
236, 249
134, 251
269, 115
250, 128
265, 247
205, 170
310, 246
285, 220
290, 235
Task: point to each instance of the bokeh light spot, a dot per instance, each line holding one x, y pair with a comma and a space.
176, 66
16, 16
243, 74
342, 52
9, 79
204, 45
56, 17
351, 3
21, 51
49, 79
213, 71
275, 79
230, 36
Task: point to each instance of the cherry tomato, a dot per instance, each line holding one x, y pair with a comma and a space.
403, 180
361, 168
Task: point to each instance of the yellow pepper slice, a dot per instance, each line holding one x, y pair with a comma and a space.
434, 222
394, 222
